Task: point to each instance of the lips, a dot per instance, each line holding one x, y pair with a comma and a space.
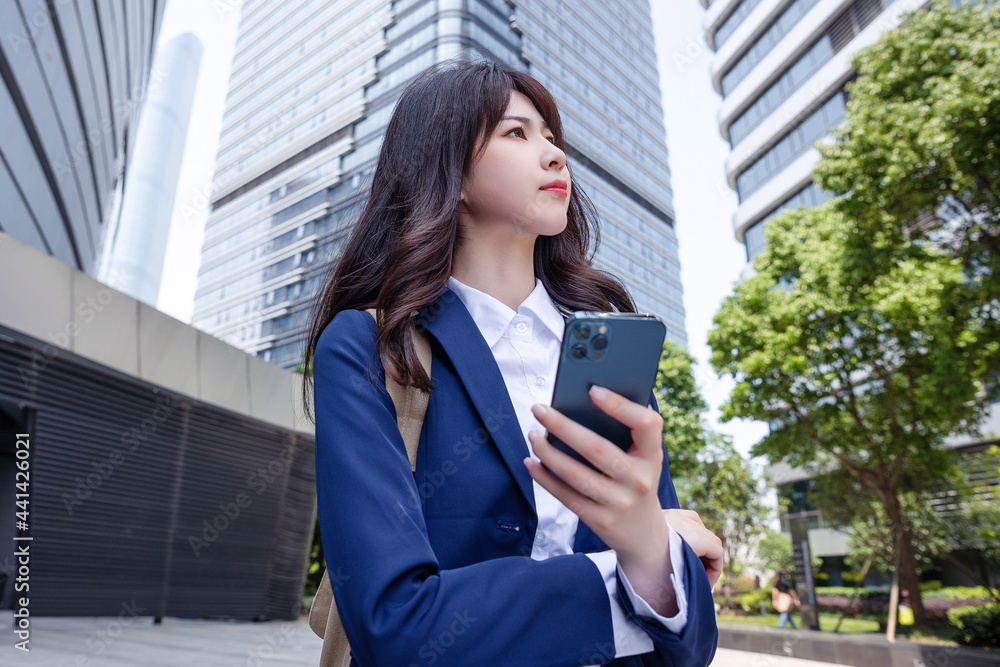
557, 186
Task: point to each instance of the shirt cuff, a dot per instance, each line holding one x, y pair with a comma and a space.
630, 639
677, 622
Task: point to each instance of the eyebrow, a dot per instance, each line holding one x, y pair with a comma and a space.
526, 121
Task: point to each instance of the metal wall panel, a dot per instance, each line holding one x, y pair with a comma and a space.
140, 494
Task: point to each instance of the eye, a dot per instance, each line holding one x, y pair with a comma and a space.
517, 129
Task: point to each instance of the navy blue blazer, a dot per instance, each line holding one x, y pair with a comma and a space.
434, 567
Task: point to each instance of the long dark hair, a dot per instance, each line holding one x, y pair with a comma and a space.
399, 254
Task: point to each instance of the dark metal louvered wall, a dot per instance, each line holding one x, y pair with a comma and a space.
135, 492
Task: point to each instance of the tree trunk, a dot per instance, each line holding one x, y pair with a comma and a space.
726, 590
907, 554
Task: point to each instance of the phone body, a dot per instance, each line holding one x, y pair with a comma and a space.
619, 351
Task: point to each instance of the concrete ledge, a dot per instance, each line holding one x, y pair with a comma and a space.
51, 302
850, 649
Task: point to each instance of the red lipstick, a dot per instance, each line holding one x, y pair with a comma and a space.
557, 186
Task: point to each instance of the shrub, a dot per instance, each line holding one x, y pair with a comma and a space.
978, 625
850, 577
958, 593
750, 602
743, 584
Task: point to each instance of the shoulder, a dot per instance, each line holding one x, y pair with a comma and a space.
348, 323
350, 333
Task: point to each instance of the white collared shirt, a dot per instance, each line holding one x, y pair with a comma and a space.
526, 346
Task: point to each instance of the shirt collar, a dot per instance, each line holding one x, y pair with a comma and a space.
492, 316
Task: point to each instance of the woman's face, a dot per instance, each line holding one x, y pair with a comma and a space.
503, 189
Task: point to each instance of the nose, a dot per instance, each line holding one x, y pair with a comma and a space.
554, 156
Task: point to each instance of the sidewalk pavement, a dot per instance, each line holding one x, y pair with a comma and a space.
111, 641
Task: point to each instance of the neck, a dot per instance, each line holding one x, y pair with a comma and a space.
502, 268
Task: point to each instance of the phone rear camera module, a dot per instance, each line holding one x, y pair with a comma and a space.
578, 351
583, 333
600, 342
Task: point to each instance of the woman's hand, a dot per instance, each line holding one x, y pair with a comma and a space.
619, 503
705, 544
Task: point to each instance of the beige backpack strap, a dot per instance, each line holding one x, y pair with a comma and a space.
410, 402
411, 407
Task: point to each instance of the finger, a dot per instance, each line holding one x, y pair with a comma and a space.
575, 501
713, 571
704, 543
641, 419
574, 474
601, 452
691, 514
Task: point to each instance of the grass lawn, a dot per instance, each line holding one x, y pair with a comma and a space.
827, 622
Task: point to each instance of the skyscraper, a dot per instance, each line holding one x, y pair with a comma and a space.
313, 86
74, 77
137, 240
781, 67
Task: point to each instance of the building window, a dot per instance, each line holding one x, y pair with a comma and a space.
798, 140
765, 43
753, 238
733, 21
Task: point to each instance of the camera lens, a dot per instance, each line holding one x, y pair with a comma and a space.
600, 342
583, 333
578, 351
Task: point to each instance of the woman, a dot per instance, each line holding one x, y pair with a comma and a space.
481, 556
783, 596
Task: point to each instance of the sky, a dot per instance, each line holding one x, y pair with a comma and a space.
711, 258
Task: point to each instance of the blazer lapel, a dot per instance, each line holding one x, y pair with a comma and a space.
451, 324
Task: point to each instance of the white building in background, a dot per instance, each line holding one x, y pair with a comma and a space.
137, 239
313, 86
781, 66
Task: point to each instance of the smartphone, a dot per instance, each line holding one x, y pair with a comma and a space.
619, 351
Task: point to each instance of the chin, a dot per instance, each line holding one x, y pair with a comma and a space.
554, 229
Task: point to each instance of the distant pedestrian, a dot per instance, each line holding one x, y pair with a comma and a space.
783, 597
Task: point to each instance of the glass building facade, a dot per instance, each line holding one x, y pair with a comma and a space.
313, 86
781, 67
74, 76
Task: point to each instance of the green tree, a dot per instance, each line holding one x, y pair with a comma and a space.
710, 476
685, 431
869, 376
729, 498
918, 156
870, 533
774, 552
